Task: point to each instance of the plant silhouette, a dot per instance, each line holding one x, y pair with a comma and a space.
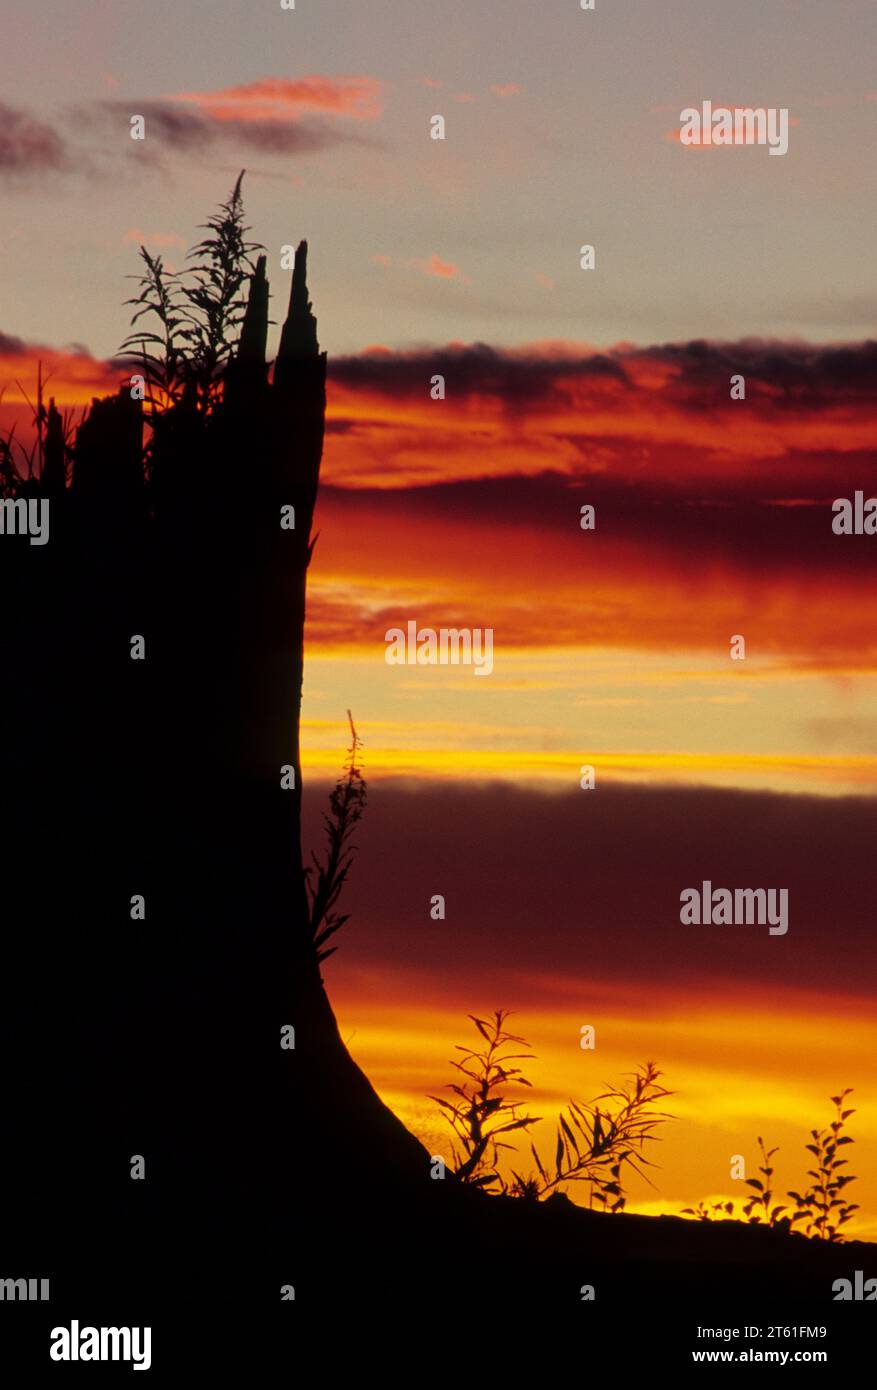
759, 1209
594, 1142
200, 311
482, 1110
597, 1142
346, 806
821, 1208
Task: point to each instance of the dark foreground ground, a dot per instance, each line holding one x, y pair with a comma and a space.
431, 1275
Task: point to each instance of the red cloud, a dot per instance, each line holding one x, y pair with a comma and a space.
809, 414
275, 99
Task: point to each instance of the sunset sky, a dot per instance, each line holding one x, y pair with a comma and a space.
564, 388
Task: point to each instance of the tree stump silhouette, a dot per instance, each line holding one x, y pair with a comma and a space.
160, 778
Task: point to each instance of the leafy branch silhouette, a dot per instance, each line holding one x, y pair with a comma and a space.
594, 1144
325, 879
758, 1208
822, 1206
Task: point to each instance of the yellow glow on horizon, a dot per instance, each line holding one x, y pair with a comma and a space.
829, 775
683, 717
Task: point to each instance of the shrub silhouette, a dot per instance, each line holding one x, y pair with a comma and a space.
46, 458
821, 1207
594, 1141
482, 1110
718, 1211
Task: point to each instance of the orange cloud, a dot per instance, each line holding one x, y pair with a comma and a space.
675, 136
278, 100
694, 493
71, 374
436, 267
506, 89
71, 377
